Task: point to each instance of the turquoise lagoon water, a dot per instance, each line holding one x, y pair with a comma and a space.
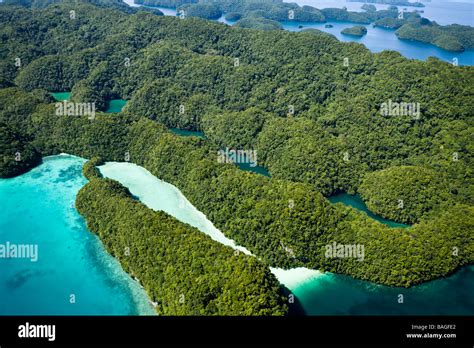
38, 208
255, 169
335, 294
112, 106
187, 133
318, 293
60, 96
115, 105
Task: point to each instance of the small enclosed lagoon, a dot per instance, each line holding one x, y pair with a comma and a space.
111, 106
356, 202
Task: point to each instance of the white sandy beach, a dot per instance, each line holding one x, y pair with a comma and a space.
160, 195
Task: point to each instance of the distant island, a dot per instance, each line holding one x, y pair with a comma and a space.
269, 14
268, 9
357, 30
259, 23
204, 10
333, 140
391, 2
453, 37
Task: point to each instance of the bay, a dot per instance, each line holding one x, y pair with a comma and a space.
380, 39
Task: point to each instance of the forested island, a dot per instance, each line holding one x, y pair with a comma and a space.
391, 2
453, 37
183, 271
276, 10
265, 15
259, 23
357, 30
309, 104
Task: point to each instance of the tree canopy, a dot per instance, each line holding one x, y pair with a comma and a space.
308, 104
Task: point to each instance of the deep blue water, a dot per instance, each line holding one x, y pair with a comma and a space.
38, 209
335, 294
380, 39
444, 12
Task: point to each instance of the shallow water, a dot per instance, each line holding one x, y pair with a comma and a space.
187, 133
37, 208
112, 106
244, 166
60, 96
159, 195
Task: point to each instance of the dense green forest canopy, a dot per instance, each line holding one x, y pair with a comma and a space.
453, 37
18, 155
117, 4
308, 104
256, 211
405, 193
182, 270
205, 10
259, 23
264, 15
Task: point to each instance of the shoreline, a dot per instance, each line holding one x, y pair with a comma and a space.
81, 263
291, 278
442, 54
146, 187
297, 280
